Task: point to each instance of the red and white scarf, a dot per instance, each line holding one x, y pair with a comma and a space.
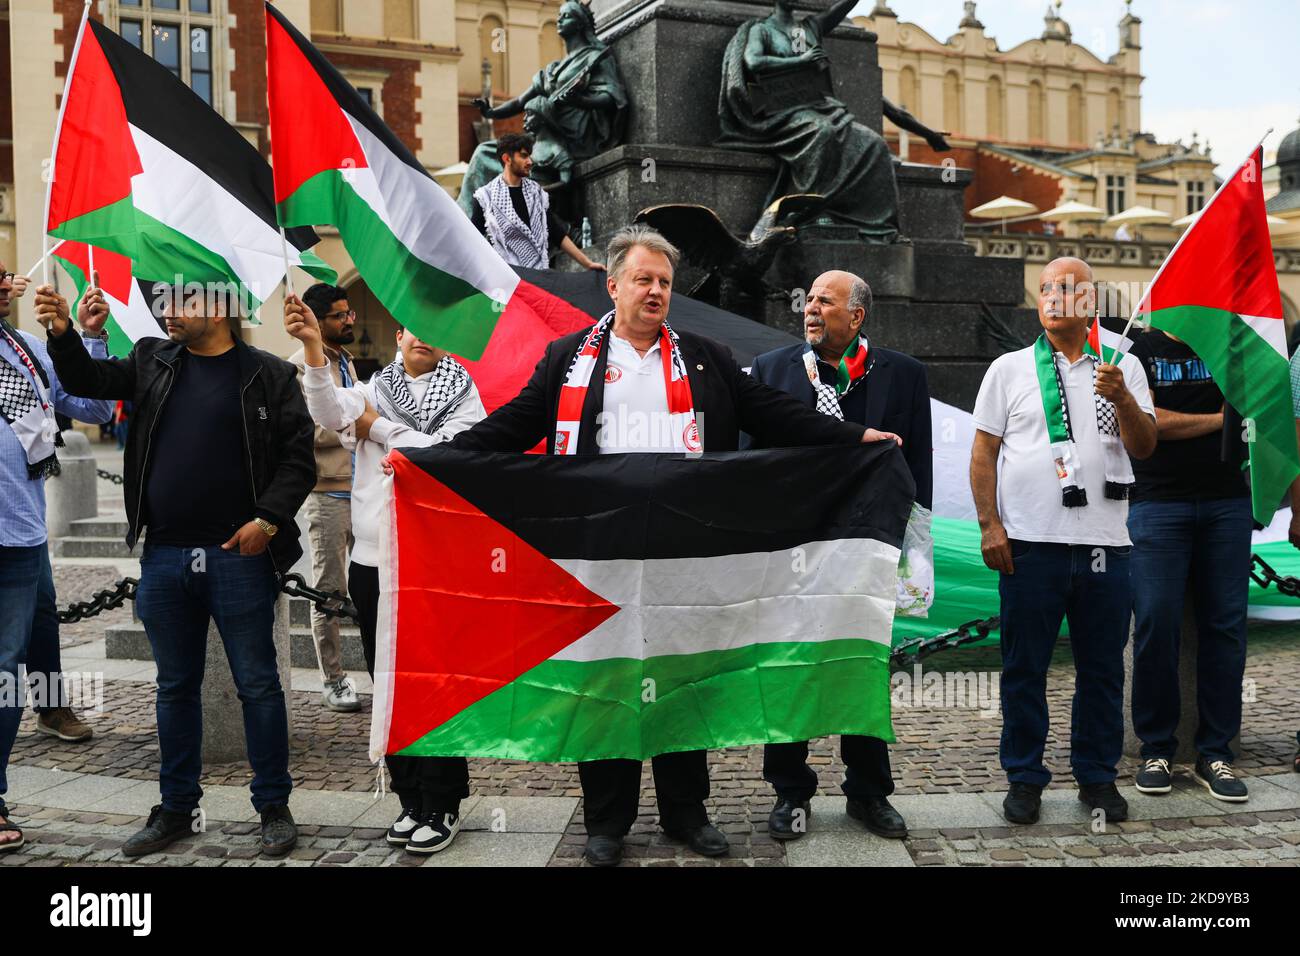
573, 394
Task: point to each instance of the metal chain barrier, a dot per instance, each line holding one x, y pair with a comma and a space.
109, 476
920, 648
329, 603
1286, 585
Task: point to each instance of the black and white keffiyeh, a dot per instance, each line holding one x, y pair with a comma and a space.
448, 387
27, 407
520, 243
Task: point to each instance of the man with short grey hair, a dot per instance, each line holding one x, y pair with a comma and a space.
632, 384
837, 371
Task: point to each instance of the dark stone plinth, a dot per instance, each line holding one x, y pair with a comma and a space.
670, 55
931, 210
943, 277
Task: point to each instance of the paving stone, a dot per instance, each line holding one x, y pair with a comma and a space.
831, 848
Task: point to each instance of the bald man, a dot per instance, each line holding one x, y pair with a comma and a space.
839, 373
1050, 473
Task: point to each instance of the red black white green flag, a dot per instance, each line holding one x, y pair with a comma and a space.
574, 608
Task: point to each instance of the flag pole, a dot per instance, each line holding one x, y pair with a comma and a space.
284, 250
54, 147
1137, 309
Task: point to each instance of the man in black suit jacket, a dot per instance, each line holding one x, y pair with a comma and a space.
870, 386
627, 374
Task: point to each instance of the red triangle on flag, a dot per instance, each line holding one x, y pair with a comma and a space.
475, 605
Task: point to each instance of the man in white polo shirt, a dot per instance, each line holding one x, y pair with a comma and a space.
1050, 473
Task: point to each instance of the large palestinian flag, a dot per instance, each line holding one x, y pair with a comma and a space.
1218, 292
144, 168
555, 609
337, 163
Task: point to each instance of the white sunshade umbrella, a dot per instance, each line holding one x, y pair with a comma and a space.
1004, 208
1072, 210
1138, 216
1275, 224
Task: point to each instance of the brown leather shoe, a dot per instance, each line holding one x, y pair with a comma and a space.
64, 724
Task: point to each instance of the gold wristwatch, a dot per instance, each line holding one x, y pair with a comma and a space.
267, 528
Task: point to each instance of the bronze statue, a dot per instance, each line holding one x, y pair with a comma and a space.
575, 107
777, 99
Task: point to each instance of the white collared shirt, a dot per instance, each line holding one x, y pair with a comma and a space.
635, 414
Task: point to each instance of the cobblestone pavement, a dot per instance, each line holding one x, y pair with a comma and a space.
945, 764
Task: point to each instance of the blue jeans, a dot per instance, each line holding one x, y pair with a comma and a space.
43, 655
1087, 586
180, 588
20, 578
1204, 543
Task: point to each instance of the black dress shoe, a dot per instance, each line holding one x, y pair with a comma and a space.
1106, 798
879, 817
603, 850
788, 819
161, 830
1022, 803
279, 832
706, 840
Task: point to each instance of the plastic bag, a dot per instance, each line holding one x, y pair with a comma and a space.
916, 566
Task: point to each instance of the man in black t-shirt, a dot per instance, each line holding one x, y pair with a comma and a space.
1190, 521
514, 213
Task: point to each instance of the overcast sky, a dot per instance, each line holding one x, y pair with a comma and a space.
1226, 70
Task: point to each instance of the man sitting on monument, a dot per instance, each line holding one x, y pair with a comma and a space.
777, 100
837, 372
514, 213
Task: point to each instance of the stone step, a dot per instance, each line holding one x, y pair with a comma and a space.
129, 642
104, 526
91, 547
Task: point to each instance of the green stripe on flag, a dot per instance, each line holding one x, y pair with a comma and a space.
594, 709
1255, 381
119, 343
442, 309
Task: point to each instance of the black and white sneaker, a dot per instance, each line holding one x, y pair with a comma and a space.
1217, 777
435, 833
1154, 777
399, 834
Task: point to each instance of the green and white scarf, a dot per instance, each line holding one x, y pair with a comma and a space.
1119, 471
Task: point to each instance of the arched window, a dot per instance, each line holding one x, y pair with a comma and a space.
1074, 116
1037, 112
953, 119
995, 128
550, 46
907, 89
492, 46
1114, 117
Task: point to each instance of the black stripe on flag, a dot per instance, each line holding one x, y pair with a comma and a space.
647, 506
158, 103
346, 95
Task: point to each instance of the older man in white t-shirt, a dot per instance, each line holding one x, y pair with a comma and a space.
1050, 473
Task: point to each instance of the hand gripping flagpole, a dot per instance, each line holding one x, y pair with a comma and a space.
1137, 309
54, 147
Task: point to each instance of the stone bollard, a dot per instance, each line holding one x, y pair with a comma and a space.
1189, 717
223, 715
72, 494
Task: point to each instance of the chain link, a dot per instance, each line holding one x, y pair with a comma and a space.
329, 603
920, 648
122, 592
1286, 585
109, 476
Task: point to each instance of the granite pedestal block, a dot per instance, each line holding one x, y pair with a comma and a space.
72, 494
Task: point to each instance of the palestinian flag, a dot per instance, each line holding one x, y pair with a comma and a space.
337, 163
146, 169
1218, 292
555, 609
1106, 344
130, 304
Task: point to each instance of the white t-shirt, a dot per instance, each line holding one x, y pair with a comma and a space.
1010, 407
634, 416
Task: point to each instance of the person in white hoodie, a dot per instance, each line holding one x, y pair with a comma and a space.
423, 398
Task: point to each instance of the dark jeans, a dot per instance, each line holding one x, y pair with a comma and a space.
1204, 543
180, 589
20, 578
44, 664
866, 769
423, 784
611, 792
1088, 586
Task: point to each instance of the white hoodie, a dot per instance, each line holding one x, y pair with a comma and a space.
338, 409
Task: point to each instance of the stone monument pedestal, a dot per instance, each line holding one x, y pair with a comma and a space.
71, 494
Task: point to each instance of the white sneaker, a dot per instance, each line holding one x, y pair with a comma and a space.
341, 696
435, 833
400, 832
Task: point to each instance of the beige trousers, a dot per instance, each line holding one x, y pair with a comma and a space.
329, 527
